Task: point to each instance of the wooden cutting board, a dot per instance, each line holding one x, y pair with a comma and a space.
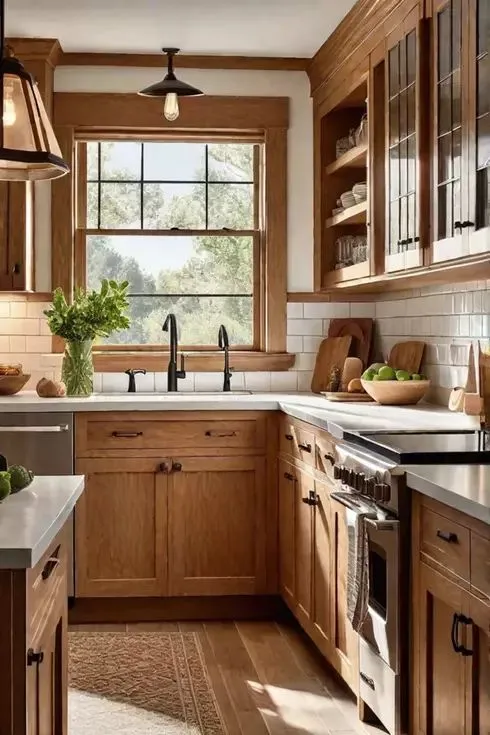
407, 356
331, 353
342, 397
361, 331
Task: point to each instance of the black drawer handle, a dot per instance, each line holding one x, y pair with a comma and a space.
458, 225
330, 458
305, 448
289, 476
126, 434
220, 434
51, 564
450, 538
34, 658
467, 223
367, 680
289, 437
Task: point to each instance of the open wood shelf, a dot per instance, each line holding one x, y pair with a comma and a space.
349, 273
356, 215
355, 158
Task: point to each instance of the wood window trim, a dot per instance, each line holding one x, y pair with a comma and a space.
86, 115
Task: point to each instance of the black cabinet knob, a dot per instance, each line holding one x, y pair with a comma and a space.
34, 657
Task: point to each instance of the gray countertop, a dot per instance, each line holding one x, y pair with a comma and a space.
463, 487
30, 519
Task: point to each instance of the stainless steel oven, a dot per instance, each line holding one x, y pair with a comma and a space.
371, 486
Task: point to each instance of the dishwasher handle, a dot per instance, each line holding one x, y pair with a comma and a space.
57, 429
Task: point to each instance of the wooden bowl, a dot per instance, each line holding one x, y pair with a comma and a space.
12, 384
396, 392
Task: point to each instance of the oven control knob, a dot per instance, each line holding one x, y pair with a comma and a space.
352, 479
345, 475
382, 492
337, 472
360, 482
369, 485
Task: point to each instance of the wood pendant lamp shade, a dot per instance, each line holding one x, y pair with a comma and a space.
29, 150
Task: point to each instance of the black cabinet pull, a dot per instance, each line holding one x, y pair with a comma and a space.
164, 467
330, 458
220, 434
51, 564
467, 223
458, 225
367, 680
312, 498
289, 476
450, 538
289, 437
34, 658
305, 448
176, 467
459, 647
126, 434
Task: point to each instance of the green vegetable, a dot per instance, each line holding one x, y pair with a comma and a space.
376, 366
91, 314
19, 477
368, 374
416, 376
376, 377
402, 375
5, 487
386, 373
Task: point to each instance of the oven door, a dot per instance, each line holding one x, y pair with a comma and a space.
380, 628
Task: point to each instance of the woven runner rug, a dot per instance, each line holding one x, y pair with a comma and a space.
140, 684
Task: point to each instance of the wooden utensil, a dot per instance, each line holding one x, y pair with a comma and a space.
361, 331
331, 353
352, 369
407, 356
11, 384
343, 397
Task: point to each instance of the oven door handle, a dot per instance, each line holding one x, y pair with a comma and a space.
382, 525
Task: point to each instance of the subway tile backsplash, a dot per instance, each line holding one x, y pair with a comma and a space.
446, 317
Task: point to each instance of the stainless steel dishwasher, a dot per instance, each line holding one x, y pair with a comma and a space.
42, 442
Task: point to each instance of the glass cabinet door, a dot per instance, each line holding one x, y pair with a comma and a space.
403, 138
449, 191
479, 86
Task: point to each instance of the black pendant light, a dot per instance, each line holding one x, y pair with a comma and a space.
171, 88
29, 150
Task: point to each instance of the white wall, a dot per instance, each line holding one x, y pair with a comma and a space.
294, 85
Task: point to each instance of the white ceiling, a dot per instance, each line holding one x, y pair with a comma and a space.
249, 27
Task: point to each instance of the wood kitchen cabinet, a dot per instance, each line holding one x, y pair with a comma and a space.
46, 667
451, 623
217, 526
287, 510
121, 528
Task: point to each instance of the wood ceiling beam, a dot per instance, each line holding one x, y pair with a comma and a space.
186, 61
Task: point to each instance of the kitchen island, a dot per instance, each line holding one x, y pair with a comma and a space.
35, 541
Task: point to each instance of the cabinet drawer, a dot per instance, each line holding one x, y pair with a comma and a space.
445, 541
129, 433
45, 579
480, 563
297, 441
325, 454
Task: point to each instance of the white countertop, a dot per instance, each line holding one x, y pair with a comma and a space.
463, 487
30, 519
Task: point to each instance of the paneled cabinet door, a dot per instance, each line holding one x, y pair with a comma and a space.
479, 126
46, 682
287, 534
345, 641
450, 113
217, 526
303, 544
440, 670
406, 198
120, 528
478, 668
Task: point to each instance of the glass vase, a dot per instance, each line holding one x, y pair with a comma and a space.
77, 371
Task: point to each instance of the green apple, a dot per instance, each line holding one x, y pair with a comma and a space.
417, 376
402, 375
386, 373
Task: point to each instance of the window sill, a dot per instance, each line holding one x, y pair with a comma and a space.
195, 362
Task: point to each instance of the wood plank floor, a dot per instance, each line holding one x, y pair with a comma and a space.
268, 679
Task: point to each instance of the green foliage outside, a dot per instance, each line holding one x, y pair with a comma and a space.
221, 264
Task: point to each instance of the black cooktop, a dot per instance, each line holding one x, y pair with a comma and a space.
425, 447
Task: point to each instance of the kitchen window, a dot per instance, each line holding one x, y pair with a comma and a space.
181, 220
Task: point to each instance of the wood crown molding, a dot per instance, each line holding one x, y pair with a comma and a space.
361, 22
187, 61
122, 111
37, 49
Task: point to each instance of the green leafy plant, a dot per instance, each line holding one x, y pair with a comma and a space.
92, 314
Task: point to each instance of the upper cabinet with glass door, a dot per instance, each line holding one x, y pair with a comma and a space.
479, 126
405, 214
